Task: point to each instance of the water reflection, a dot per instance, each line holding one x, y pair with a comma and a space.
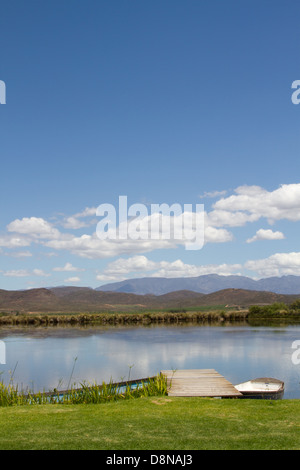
44, 357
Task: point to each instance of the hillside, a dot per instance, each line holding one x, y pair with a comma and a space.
205, 284
72, 299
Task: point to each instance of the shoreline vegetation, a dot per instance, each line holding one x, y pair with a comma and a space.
204, 315
84, 393
145, 318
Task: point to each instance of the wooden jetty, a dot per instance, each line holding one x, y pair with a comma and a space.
199, 383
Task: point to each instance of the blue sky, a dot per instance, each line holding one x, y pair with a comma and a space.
165, 101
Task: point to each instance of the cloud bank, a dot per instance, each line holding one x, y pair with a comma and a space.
247, 205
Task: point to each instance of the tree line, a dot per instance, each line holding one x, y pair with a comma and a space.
276, 308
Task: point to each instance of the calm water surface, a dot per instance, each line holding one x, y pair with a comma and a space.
43, 358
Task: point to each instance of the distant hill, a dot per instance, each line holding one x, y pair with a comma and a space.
79, 299
242, 297
205, 284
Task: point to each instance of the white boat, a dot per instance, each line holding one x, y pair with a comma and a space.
265, 388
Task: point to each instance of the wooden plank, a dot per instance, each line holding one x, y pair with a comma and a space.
193, 373
190, 372
199, 382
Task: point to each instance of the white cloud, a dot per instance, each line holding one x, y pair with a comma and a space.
25, 273
221, 218
20, 254
38, 230
40, 272
121, 268
263, 234
74, 222
124, 266
72, 279
15, 254
14, 242
50, 254
211, 194
282, 203
90, 246
87, 212
34, 227
16, 273
180, 269
67, 267
278, 264
217, 235
247, 205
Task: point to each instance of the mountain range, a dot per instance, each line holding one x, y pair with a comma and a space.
206, 284
83, 299
154, 293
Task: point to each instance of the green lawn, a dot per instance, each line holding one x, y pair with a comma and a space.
160, 423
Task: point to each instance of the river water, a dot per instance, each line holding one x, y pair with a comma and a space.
46, 358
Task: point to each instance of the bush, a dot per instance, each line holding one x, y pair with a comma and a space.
270, 310
295, 306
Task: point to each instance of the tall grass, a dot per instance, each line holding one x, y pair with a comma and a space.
10, 395
144, 318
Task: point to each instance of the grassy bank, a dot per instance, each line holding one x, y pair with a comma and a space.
156, 423
197, 314
122, 318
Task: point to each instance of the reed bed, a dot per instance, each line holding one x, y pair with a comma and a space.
10, 395
121, 318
